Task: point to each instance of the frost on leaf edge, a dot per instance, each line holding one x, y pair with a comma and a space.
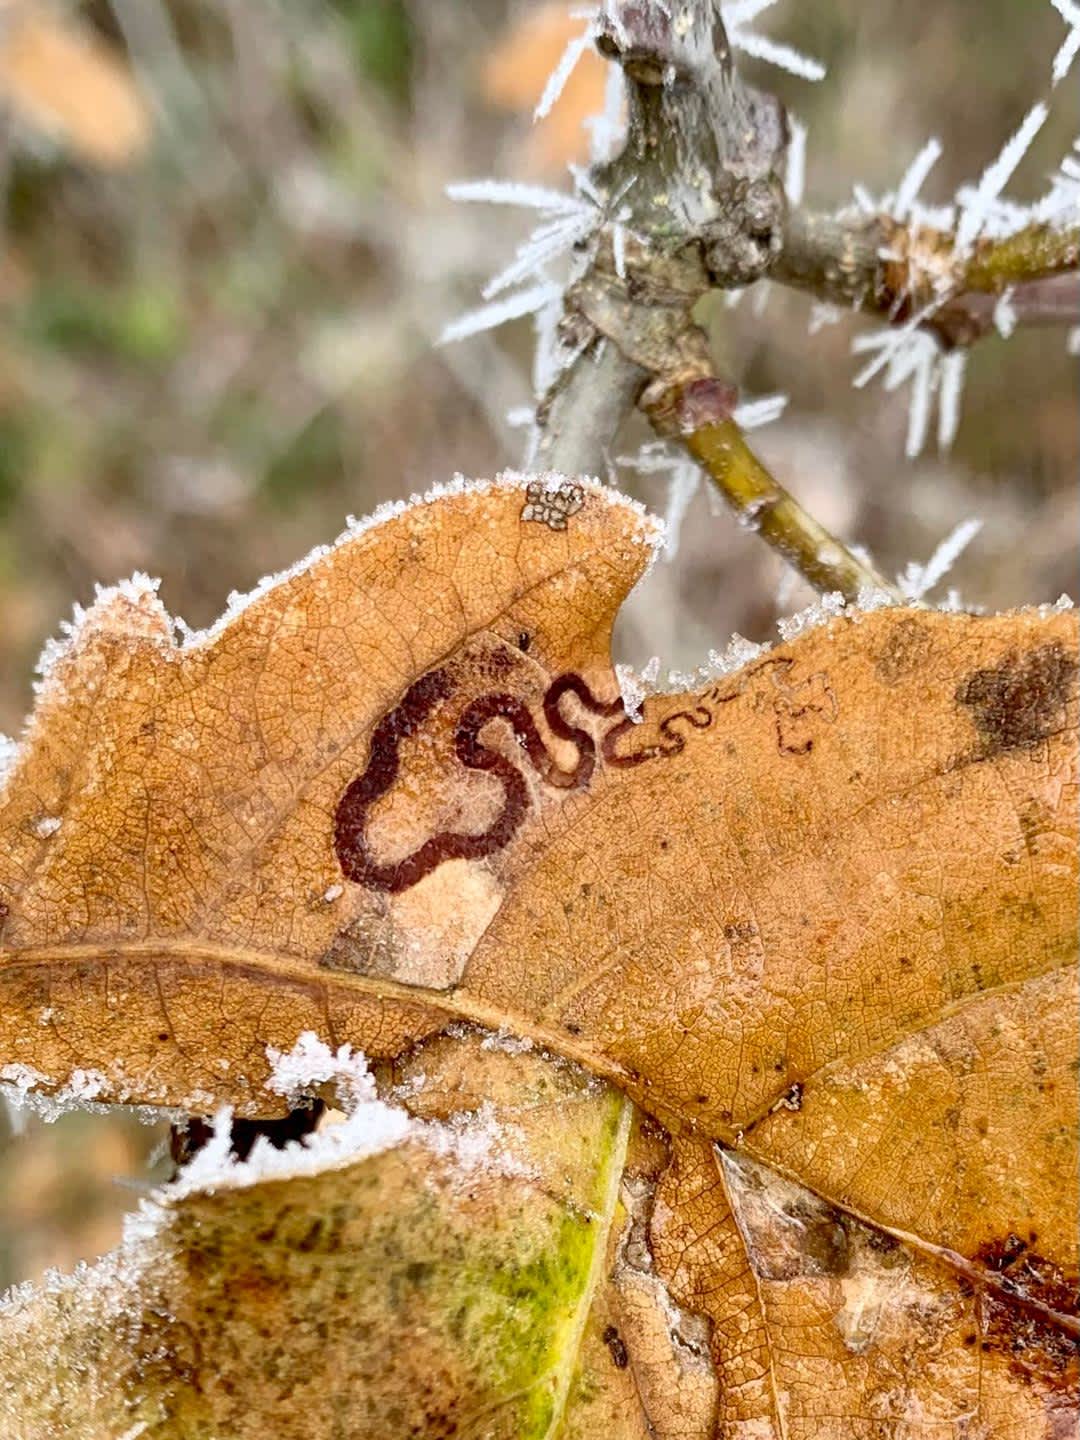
141, 590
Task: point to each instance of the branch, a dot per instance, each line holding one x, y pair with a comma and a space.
700, 203
700, 164
884, 267
578, 419
690, 116
699, 416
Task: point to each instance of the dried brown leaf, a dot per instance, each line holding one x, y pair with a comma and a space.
821, 911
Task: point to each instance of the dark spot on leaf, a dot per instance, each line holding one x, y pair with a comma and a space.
613, 1340
1022, 699
881, 1242
1026, 1313
905, 651
825, 1243
311, 1239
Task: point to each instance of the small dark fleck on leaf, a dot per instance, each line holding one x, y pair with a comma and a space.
613, 1340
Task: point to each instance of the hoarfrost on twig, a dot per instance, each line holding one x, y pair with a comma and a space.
511, 307
913, 355
753, 414
918, 580
795, 164
684, 475
977, 206
953, 370
682, 487
564, 68
516, 193
566, 220
545, 245
607, 129
1005, 316
738, 15
914, 177
1070, 46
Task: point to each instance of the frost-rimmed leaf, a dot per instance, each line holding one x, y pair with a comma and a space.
820, 909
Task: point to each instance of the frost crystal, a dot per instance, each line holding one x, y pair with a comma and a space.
634, 686
311, 1063
738, 15
546, 244
138, 591
977, 208
369, 1127
490, 317
516, 193
1070, 46
953, 369
366, 1126
914, 178
822, 314
918, 580
24, 1088
566, 221
567, 62
1005, 314
508, 1043
9, 752
752, 414
682, 487
607, 129
657, 458
736, 653
820, 613
911, 354
795, 165
649, 532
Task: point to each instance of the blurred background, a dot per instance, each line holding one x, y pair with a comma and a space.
225, 261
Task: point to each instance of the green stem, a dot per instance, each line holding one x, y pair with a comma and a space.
1031, 254
698, 416
879, 266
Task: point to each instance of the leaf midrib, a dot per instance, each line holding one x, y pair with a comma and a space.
495, 1018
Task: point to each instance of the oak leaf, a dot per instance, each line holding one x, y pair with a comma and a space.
817, 918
